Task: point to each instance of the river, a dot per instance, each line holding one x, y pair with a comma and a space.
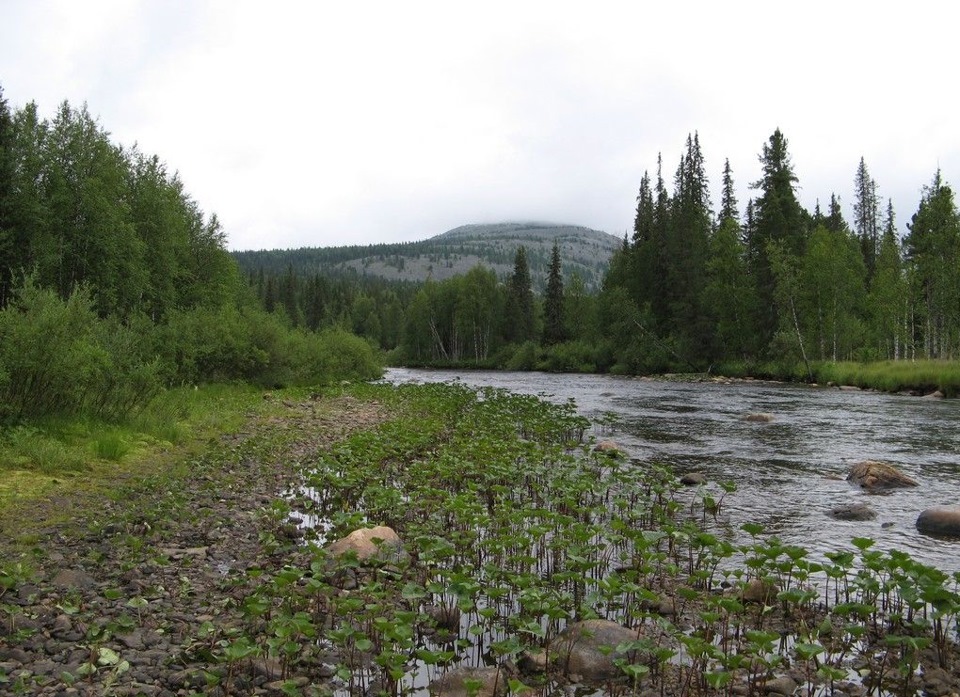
789, 472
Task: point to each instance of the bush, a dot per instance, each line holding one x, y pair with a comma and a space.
570, 357
523, 358
57, 358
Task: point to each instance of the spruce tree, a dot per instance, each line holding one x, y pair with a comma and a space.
728, 198
779, 219
866, 216
519, 315
687, 248
553, 328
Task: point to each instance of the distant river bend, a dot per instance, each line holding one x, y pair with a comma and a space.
788, 472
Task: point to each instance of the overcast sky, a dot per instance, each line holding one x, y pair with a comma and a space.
327, 123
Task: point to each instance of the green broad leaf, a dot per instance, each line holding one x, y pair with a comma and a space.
107, 657
808, 651
718, 679
517, 687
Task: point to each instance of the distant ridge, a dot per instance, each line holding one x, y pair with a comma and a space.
583, 251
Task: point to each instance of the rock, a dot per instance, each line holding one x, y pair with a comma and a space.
471, 682
940, 520
609, 448
444, 617
693, 479
179, 552
61, 625
380, 542
588, 649
781, 686
282, 685
852, 511
878, 476
759, 591
533, 662
73, 578
132, 640
758, 417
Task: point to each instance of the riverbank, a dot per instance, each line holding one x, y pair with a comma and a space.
511, 532
125, 586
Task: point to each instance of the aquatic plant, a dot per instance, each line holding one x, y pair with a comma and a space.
514, 529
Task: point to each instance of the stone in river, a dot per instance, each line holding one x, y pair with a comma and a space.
940, 520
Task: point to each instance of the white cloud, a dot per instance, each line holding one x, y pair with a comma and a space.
329, 123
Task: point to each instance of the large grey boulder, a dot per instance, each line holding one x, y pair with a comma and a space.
940, 520
878, 476
588, 649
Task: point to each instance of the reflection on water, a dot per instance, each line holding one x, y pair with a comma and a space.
788, 472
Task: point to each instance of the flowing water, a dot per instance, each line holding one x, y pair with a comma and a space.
789, 472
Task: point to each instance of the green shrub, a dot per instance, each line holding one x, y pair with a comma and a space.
58, 358
570, 357
523, 358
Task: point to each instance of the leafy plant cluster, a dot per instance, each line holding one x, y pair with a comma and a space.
513, 530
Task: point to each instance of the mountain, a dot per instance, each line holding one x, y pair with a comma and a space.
583, 251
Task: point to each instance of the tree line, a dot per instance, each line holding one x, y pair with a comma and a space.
114, 283
691, 288
781, 283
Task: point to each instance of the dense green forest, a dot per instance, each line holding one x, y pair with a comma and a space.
771, 290
781, 283
114, 284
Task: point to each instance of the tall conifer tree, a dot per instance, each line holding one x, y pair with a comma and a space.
779, 218
866, 216
520, 319
553, 326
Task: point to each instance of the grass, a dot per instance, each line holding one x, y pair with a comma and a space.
922, 376
48, 460
894, 376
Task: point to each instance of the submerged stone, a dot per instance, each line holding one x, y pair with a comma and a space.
852, 511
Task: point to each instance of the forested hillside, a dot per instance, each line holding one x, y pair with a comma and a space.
115, 284
585, 252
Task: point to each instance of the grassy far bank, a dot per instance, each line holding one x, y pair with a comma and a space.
916, 377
